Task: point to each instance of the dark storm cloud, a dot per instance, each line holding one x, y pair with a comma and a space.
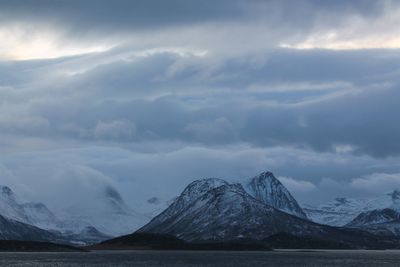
120, 14
82, 17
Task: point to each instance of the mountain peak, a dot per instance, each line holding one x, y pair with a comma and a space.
268, 189
207, 182
190, 194
265, 175
228, 188
199, 187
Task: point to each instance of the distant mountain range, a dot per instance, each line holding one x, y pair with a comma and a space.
341, 211
379, 215
214, 210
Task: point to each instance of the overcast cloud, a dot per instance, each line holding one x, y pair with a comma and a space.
149, 95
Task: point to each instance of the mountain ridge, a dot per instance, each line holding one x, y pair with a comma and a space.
342, 211
227, 213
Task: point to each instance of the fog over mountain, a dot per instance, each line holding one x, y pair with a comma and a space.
136, 99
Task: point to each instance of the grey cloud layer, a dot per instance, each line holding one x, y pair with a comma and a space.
222, 26
328, 99
157, 13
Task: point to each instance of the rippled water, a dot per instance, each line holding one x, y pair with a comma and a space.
197, 258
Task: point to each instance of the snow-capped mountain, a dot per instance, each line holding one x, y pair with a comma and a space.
342, 211
268, 189
9, 207
38, 215
375, 217
380, 221
106, 213
214, 210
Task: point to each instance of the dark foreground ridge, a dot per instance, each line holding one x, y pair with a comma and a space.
34, 246
151, 241
288, 241
148, 241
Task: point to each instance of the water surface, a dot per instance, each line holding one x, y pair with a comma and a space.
204, 258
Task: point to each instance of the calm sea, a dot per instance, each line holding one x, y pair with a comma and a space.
197, 258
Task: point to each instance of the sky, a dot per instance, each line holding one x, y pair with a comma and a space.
147, 96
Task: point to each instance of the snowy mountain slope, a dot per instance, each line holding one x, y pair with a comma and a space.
268, 189
191, 193
213, 210
380, 221
375, 217
9, 207
14, 230
343, 210
38, 215
106, 212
